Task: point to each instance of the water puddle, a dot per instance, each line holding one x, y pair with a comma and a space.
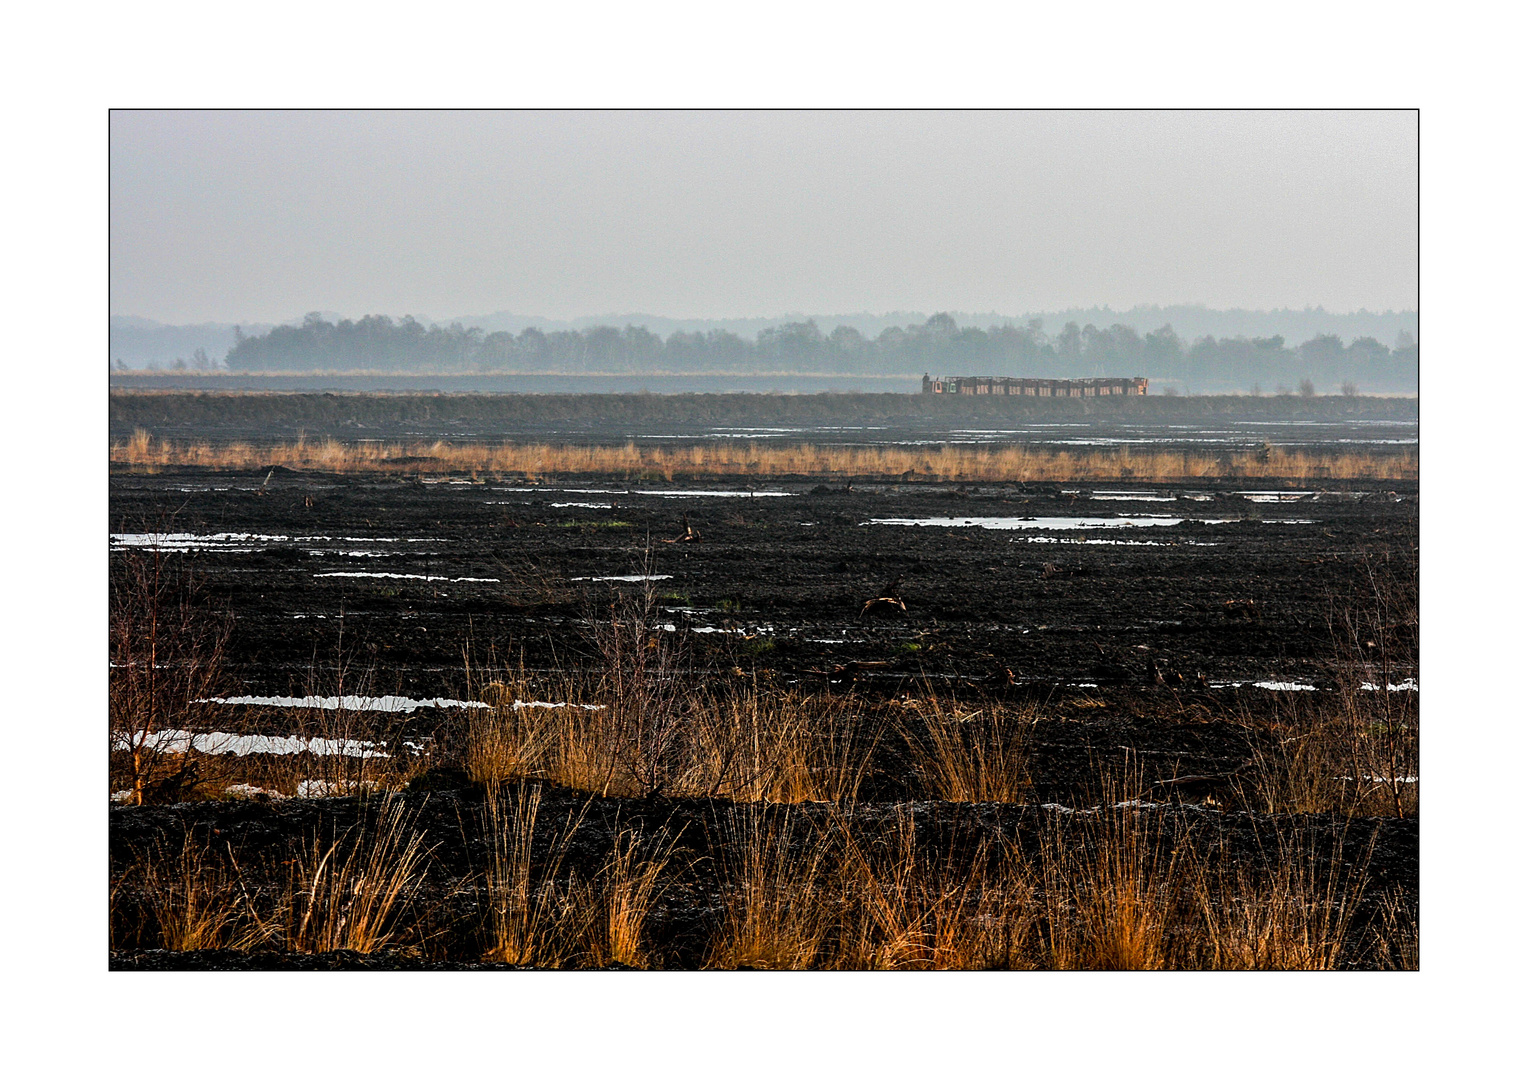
584, 505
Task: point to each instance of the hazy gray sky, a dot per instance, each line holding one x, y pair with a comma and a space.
251, 216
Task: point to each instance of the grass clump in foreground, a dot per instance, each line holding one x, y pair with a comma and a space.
1116, 886
355, 889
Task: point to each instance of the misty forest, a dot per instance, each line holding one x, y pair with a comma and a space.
381, 344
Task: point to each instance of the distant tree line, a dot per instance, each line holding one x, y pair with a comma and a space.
378, 343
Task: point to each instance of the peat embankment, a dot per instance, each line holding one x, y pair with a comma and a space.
276, 416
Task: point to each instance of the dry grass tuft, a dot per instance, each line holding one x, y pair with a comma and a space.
192, 902
976, 756
531, 919
1296, 919
540, 917
776, 915
354, 892
623, 897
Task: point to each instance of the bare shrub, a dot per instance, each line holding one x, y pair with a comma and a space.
776, 746
1395, 942
166, 662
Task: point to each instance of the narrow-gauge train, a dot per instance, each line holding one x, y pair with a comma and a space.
994, 384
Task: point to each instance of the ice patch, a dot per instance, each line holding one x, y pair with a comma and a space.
1274, 496
582, 505
349, 702
325, 789
235, 542
1145, 521
1132, 496
1382, 779
173, 741
386, 703
627, 577
676, 494
401, 577
1405, 684
244, 543
1271, 684
1116, 543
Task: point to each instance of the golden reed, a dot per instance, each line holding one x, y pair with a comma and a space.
952, 463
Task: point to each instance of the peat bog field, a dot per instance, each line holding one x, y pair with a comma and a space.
411, 718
